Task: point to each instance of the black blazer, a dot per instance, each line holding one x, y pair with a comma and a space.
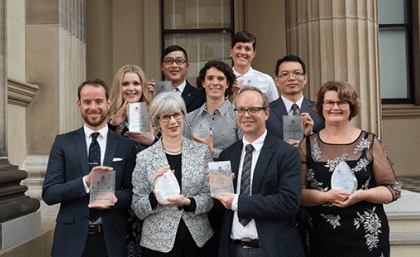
67, 164
274, 122
192, 97
276, 193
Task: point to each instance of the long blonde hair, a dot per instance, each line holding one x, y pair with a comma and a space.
116, 91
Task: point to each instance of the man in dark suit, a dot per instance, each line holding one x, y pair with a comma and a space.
83, 229
174, 65
291, 78
259, 217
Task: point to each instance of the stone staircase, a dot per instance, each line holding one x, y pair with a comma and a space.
404, 222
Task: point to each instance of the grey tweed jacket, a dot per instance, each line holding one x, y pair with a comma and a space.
161, 224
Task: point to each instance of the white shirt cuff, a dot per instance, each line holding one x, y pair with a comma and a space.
84, 184
235, 203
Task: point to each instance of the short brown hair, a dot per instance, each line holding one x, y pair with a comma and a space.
245, 37
221, 66
345, 92
265, 101
94, 82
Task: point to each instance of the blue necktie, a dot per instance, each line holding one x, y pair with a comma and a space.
246, 178
94, 160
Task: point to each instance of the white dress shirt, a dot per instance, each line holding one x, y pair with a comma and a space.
103, 135
181, 87
250, 230
261, 81
288, 104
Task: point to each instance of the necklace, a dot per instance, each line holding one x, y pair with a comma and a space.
170, 151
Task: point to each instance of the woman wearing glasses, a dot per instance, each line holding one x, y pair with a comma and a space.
349, 222
178, 226
216, 115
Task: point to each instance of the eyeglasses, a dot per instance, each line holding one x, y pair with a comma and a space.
177, 116
250, 110
286, 74
340, 104
178, 61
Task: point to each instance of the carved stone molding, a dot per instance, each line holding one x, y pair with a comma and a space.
20, 93
402, 111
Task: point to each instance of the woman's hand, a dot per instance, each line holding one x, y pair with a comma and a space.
353, 198
308, 123
235, 88
207, 141
336, 196
151, 84
120, 116
160, 172
143, 137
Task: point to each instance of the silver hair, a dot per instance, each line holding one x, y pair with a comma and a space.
165, 102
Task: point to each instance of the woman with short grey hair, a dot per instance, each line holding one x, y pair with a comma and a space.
178, 226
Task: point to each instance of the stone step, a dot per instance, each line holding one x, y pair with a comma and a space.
405, 244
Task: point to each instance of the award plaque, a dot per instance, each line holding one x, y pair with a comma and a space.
202, 130
167, 186
343, 178
162, 86
137, 117
220, 178
102, 187
292, 127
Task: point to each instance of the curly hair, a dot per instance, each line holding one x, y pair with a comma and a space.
221, 66
345, 92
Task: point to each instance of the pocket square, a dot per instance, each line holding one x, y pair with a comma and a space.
117, 159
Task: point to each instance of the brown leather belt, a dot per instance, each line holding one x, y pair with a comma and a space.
247, 243
95, 229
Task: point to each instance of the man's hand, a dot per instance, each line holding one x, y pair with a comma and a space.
104, 206
225, 199
88, 178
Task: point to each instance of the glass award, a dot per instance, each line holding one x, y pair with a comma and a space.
102, 187
162, 86
292, 127
167, 186
220, 178
343, 178
137, 117
202, 130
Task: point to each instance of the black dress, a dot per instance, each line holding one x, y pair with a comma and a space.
360, 229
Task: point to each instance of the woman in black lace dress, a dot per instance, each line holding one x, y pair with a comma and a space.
130, 87
345, 223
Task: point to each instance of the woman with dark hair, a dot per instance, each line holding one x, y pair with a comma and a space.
346, 215
215, 81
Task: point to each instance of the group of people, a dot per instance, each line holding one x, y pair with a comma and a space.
284, 203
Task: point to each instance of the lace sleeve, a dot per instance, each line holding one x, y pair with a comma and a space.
382, 170
302, 153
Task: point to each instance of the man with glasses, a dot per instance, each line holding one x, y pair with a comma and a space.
291, 79
174, 65
258, 220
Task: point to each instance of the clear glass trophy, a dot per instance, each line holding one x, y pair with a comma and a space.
220, 178
202, 130
292, 127
102, 187
167, 186
343, 178
137, 117
162, 86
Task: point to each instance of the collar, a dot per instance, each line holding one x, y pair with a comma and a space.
288, 104
249, 73
223, 109
182, 86
102, 132
257, 144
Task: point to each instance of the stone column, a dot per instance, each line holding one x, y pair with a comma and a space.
15, 206
338, 40
56, 62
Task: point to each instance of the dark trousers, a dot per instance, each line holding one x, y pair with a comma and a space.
95, 246
184, 245
236, 250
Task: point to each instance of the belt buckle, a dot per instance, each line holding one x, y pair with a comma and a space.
244, 241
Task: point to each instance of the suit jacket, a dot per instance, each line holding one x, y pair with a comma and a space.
276, 193
161, 224
192, 97
274, 122
67, 164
